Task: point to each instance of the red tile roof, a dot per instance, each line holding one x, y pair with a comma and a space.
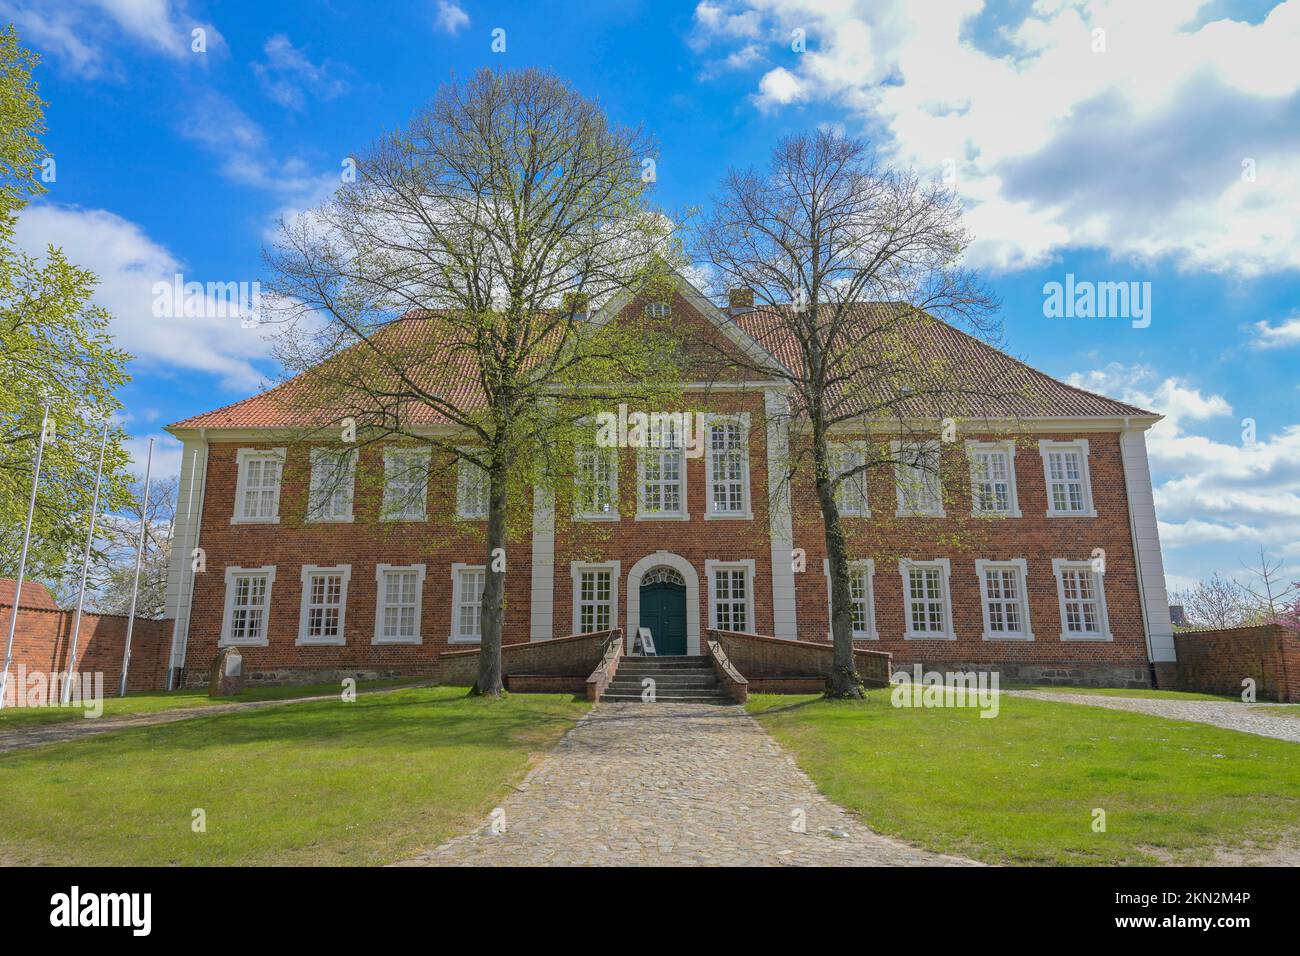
35, 595
1003, 387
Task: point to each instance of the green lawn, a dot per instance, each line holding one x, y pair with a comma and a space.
1121, 692
14, 718
1022, 787
322, 782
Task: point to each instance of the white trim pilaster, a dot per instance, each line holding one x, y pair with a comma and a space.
785, 622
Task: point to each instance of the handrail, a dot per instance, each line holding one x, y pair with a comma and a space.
735, 682
604, 672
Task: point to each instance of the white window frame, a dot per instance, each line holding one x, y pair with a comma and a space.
903, 509
387, 511
642, 513
974, 448
657, 310
1021, 566
856, 566
380, 605
944, 567
242, 458
850, 497
741, 421
456, 588
309, 571
1060, 565
747, 566
1045, 448
611, 483
576, 570
267, 571
467, 474
318, 458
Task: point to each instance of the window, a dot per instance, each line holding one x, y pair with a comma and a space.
657, 310
595, 598
472, 489
257, 491
662, 472
248, 604
399, 589
406, 484
851, 493
1004, 598
727, 467
993, 478
597, 484
927, 605
862, 598
324, 604
330, 495
917, 475
467, 582
1069, 490
1080, 590
730, 591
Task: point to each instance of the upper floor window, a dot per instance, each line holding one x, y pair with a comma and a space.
472, 487
657, 310
1082, 598
329, 497
920, 492
248, 605
406, 484
731, 594
324, 604
927, 601
661, 467
993, 478
851, 492
597, 483
727, 466
257, 489
1004, 599
1069, 489
467, 581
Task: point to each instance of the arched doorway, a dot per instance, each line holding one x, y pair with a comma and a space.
663, 609
638, 572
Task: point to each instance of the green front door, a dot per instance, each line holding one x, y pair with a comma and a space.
663, 610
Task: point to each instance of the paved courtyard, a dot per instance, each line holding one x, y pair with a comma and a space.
1247, 718
672, 784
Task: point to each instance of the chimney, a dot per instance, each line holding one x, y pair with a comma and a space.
576, 302
740, 300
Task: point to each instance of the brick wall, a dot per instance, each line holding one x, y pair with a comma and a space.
574, 656
42, 640
1216, 662
760, 658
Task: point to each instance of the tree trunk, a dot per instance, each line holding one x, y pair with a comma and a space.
494, 586
845, 681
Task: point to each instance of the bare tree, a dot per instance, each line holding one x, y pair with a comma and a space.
1272, 592
1218, 602
444, 298
851, 262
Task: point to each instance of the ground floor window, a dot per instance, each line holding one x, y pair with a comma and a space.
467, 581
731, 595
324, 604
397, 603
862, 598
248, 605
1082, 598
927, 603
1003, 599
595, 596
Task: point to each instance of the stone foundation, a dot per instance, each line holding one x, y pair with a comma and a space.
285, 677
1077, 675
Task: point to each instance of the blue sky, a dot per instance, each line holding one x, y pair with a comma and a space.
1117, 141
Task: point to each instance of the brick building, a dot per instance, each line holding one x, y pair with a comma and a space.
1042, 561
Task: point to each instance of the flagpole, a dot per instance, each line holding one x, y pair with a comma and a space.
22, 561
139, 559
85, 572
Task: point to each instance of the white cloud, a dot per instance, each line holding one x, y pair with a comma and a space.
1284, 333
128, 263
166, 455
288, 75
450, 18
1138, 149
240, 147
1213, 492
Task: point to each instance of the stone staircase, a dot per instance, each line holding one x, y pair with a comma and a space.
676, 679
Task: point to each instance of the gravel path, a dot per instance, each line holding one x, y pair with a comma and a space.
1247, 718
672, 784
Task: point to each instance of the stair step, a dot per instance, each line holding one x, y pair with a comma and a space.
662, 698
704, 680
